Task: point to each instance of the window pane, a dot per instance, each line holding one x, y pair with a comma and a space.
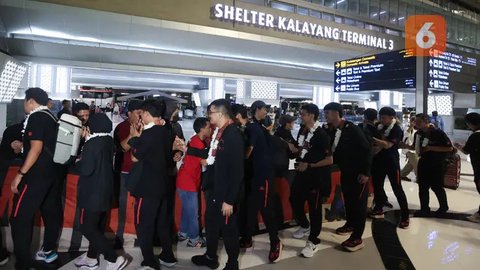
372, 27
284, 7
327, 16
360, 24
342, 5
393, 12
383, 11
353, 6
302, 11
330, 3
374, 6
410, 9
402, 13
315, 14
349, 21
363, 8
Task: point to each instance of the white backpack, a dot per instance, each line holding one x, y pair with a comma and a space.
68, 137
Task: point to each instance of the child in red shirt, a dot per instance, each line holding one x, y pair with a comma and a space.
188, 185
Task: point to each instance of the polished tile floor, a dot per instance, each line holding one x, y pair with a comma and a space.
429, 243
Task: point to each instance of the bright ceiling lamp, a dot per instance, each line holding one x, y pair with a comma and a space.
11, 76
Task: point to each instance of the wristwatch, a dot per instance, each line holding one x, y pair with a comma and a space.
21, 173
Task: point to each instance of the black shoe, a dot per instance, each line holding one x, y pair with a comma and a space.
441, 212
204, 260
168, 261
4, 257
422, 213
231, 266
246, 243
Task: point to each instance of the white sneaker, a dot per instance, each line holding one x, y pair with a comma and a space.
301, 232
118, 265
85, 262
474, 218
309, 250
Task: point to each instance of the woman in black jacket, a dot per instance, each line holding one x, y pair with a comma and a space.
95, 193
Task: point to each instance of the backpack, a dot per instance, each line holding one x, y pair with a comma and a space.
68, 138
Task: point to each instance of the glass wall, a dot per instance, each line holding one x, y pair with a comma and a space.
463, 25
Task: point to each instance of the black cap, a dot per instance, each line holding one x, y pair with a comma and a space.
285, 119
257, 105
370, 114
334, 106
387, 111
99, 123
134, 104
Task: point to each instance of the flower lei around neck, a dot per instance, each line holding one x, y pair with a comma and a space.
95, 135
419, 143
149, 125
338, 135
302, 139
387, 131
217, 134
25, 123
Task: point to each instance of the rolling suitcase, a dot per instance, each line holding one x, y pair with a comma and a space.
452, 174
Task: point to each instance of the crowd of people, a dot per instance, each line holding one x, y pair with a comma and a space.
234, 159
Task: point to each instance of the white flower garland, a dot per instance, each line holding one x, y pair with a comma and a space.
25, 123
94, 135
309, 137
149, 125
338, 135
417, 143
387, 131
213, 147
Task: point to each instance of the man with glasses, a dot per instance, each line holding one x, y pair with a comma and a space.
222, 187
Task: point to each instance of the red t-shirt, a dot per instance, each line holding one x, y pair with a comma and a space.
121, 133
189, 174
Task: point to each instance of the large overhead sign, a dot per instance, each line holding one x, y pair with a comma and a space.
455, 72
281, 23
392, 70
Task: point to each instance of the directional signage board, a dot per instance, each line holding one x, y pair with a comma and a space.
453, 71
386, 71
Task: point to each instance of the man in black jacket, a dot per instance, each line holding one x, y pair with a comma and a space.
351, 152
387, 163
222, 187
259, 197
153, 149
313, 179
34, 182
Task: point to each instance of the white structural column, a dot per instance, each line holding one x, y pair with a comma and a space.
322, 95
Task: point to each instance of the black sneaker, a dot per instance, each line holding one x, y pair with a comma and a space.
275, 252
167, 261
441, 212
4, 257
246, 243
422, 213
204, 260
376, 214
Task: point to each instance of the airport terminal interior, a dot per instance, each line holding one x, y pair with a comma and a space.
286, 54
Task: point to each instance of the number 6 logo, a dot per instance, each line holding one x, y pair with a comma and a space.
425, 33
